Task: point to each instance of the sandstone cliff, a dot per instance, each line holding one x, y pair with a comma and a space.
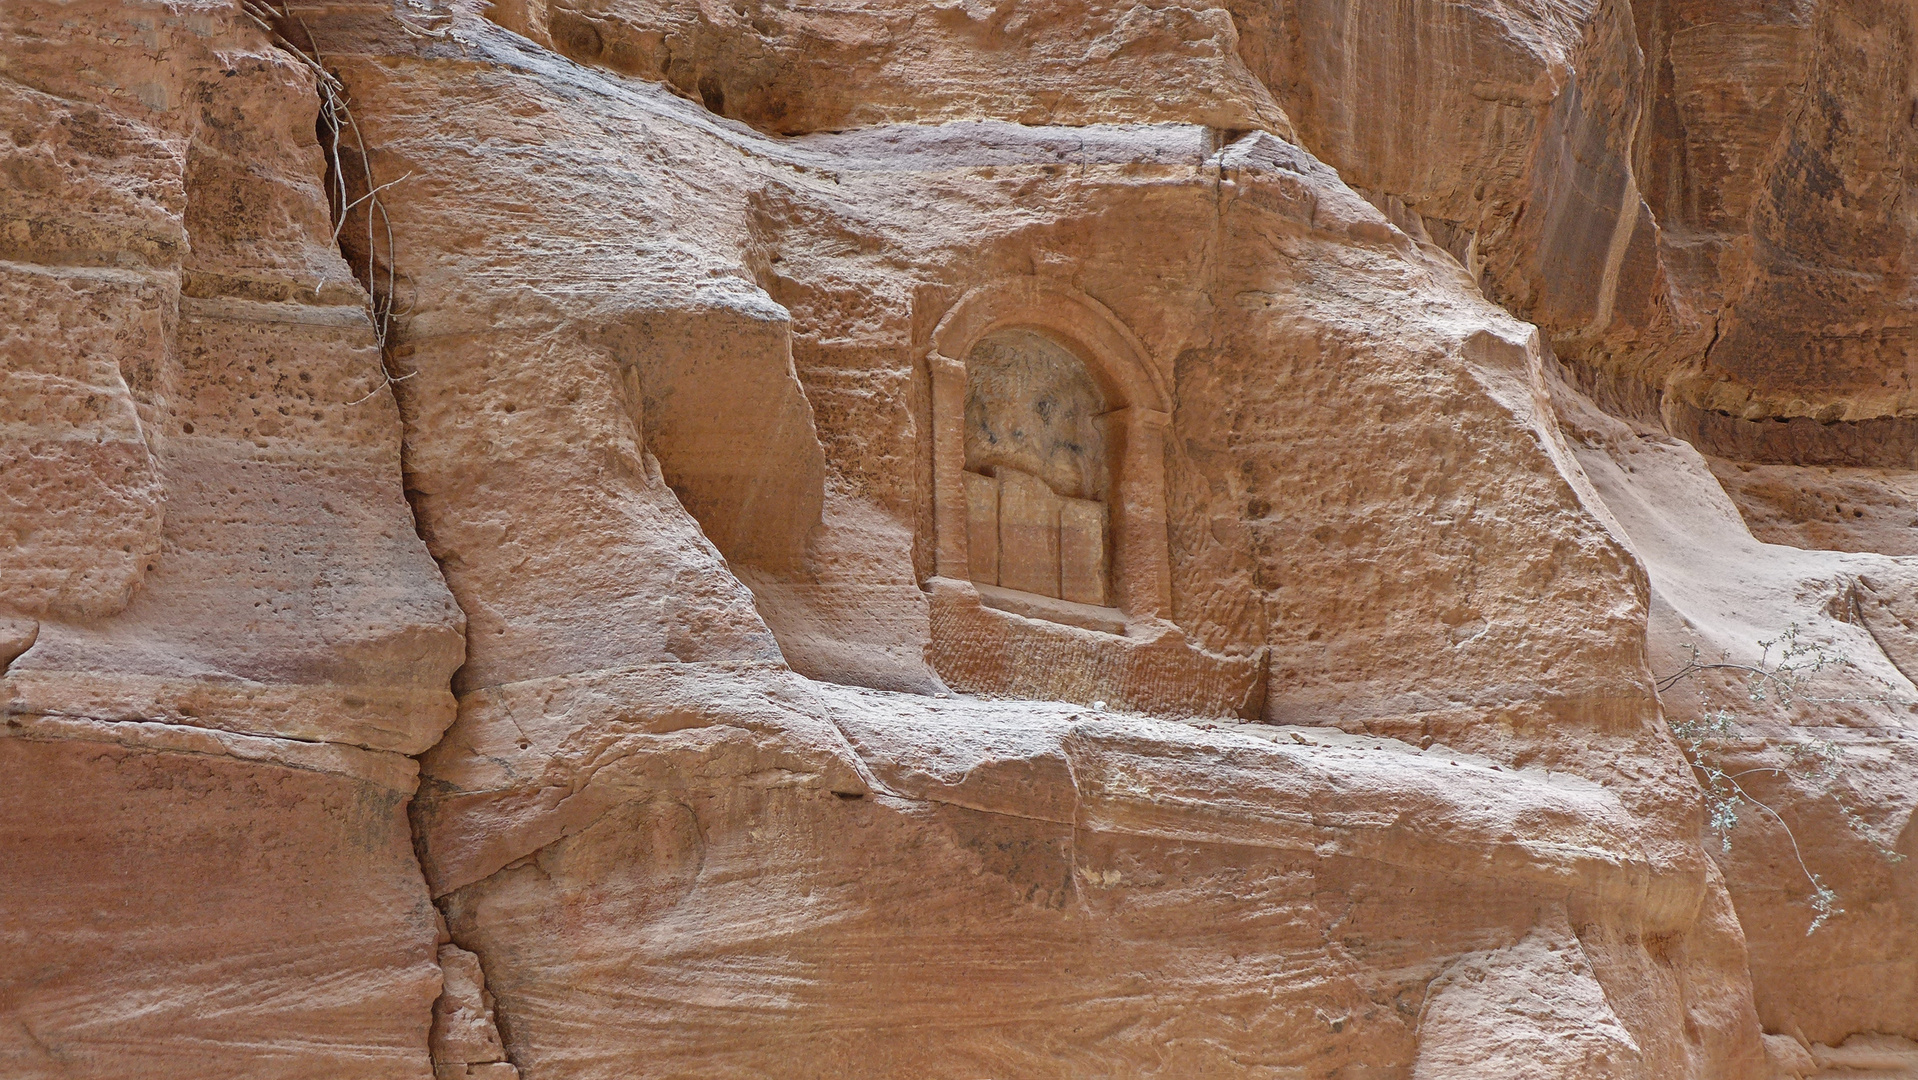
612, 538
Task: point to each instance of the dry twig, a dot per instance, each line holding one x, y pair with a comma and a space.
1783, 681
336, 116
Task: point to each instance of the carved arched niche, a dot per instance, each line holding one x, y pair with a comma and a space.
1048, 431
1051, 577
1036, 480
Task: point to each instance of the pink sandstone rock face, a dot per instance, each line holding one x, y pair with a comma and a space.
954, 539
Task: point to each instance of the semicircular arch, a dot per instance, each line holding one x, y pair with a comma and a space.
1111, 352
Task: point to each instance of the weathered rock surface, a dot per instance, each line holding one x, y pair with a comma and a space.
792, 69
1858, 973
588, 674
183, 902
223, 633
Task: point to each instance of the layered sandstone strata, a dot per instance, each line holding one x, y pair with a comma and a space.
225, 634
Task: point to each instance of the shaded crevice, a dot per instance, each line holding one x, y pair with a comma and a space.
363, 234
361, 227
16, 637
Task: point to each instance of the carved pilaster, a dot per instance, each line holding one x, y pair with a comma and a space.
950, 552
1143, 570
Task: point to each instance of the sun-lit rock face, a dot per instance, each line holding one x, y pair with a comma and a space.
952, 540
793, 69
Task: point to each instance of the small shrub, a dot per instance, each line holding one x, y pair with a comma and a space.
1784, 679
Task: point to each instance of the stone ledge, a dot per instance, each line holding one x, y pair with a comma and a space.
401, 719
391, 771
1104, 620
1155, 669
